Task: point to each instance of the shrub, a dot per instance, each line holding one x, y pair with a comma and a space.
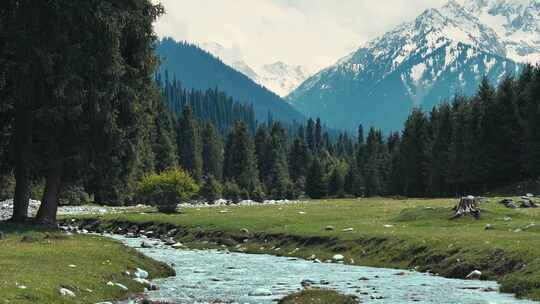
74, 195
167, 189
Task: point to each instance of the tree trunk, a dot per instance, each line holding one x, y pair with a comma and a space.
467, 205
23, 148
49, 204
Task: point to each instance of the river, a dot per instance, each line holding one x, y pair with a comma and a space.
206, 276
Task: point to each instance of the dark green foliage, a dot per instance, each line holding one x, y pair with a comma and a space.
212, 152
232, 192
211, 189
316, 186
212, 105
74, 195
165, 148
200, 70
189, 144
240, 163
336, 183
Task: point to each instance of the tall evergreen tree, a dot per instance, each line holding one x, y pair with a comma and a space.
316, 185
212, 152
189, 144
240, 164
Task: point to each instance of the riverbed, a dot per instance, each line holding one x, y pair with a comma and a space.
212, 276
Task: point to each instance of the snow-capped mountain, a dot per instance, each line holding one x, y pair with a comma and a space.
442, 52
278, 77
517, 22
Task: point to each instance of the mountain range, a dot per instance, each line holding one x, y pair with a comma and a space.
443, 52
197, 69
279, 77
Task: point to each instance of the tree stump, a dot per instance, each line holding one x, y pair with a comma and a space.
467, 206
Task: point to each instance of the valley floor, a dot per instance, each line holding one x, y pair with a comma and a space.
37, 266
407, 234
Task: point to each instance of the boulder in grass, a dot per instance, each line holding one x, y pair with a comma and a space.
66, 292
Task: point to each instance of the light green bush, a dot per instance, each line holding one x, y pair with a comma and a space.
167, 189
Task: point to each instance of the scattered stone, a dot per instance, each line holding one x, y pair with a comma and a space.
475, 275
260, 292
140, 273
177, 245
123, 287
306, 284
66, 292
508, 203
529, 195
388, 226
338, 258
348, 230
145, 244
527, 203
72, 266
312, 258
363, 279
244, 231
488, 227
301, 212
329, 228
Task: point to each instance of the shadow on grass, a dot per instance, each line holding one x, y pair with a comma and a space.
29, 228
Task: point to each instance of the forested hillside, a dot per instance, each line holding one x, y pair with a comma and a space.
198, 69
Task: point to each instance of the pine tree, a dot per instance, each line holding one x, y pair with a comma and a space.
278, 180
212, 152
336, 183
189, 144
315, 182
165, 146
211, 189
240, 162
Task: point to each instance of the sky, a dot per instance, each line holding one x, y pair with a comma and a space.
311, 33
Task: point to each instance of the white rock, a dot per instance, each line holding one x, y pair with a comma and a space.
261, 292
123, 287
141, 274
177, 245
475, 275
348, 230
338, 258
66, 292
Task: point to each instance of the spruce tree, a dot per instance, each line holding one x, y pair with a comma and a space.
316, 186
278, 180
240, 162
189, 144
212, 152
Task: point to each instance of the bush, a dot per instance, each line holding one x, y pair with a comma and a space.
74, 195
167, 189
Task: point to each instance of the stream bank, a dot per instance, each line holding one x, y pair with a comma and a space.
379, 252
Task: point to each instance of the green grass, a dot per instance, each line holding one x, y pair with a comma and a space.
41, 263
318, 296
387, 233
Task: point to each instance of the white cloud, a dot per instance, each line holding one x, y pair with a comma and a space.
313, 33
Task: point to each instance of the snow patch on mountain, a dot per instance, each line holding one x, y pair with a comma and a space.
278, 77
517, 22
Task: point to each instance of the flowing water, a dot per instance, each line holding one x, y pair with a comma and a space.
211, 276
